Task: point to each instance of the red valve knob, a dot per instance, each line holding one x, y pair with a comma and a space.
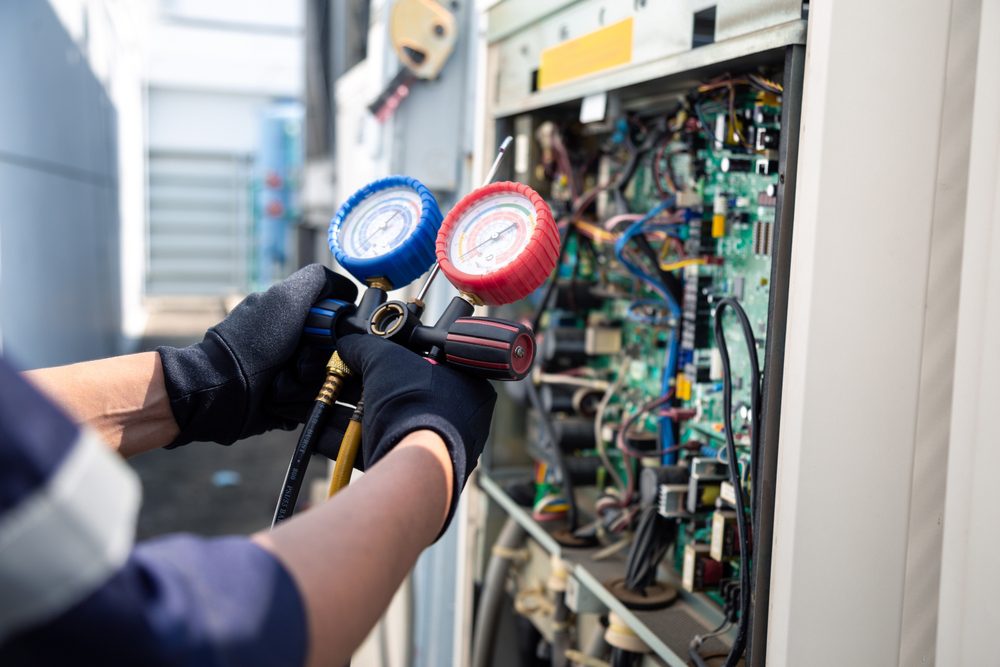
495, 349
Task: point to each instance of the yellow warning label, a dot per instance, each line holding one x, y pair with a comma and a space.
599, 50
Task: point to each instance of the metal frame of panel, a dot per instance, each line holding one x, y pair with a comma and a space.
517, 35
775, 354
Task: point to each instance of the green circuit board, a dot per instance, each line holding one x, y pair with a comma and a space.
712, 180
741, 268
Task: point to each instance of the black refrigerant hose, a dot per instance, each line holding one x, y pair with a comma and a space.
299, 462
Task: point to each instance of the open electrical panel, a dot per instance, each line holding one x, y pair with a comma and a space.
638, 458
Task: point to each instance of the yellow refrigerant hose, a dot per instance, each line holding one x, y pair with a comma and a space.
349, 446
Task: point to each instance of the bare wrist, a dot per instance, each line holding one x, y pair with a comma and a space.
431, 443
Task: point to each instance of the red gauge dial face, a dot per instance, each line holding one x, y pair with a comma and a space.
499, 243
492, 233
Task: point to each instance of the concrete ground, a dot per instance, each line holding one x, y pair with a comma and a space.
207, 488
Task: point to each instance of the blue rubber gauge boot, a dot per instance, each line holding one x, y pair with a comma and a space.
387, 229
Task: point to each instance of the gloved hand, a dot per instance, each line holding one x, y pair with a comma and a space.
404, 392
250, 373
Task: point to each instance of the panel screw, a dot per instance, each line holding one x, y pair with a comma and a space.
519, 352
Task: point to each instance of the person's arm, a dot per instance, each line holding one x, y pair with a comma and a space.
248, 375
349, 555
122, 398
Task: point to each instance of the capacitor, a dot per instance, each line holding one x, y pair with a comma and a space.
586, 400
564, 347
557, 398
583, 470
735, 165
577, 296
574, 433
720, 207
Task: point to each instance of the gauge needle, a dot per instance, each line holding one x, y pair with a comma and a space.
381, 228
493, 237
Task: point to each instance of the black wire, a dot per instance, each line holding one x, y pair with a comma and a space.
734, 474
543, 305
556, 455
669, 280
299, 462
653, 537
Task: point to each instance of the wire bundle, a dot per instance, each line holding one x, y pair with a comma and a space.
734, 474
653, 537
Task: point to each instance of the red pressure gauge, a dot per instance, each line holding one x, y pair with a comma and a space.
499, 243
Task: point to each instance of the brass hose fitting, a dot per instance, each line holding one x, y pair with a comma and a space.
336, 372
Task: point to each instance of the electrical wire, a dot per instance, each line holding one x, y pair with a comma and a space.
693, 648
602, 407
580, 205
559, 462
669, 289
611, 223
742, 635
655, 315
653, 538
623, 430
680, 264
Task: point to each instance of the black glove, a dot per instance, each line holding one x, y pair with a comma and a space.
404, 392
250, 373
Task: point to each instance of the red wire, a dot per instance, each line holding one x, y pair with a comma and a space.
620, 442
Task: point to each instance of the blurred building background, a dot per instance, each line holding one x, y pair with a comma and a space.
151, 150
223, 83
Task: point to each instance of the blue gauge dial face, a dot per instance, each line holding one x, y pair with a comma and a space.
381, 223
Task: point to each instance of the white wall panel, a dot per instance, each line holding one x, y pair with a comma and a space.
969, 615
868, 337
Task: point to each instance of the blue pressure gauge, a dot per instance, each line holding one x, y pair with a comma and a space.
387, 229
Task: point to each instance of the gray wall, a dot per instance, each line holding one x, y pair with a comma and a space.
60, 287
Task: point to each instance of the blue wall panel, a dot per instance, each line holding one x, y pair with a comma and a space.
60, 287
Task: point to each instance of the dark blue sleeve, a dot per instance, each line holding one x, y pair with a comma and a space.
179, 600
35, 437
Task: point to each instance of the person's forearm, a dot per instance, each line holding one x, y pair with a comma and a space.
349, 555
122, 398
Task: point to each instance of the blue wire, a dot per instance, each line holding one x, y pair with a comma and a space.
634, 230
666, 424
670, 368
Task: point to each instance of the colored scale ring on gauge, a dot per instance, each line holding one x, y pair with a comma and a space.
411, 258
518, 277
